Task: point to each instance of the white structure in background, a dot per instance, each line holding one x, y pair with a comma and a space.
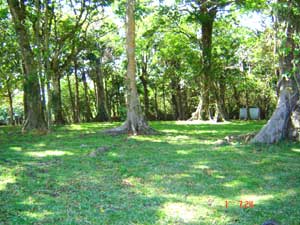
254, 113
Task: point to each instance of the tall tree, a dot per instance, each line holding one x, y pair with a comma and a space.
284, 122
135, 122
102, 114
33, 104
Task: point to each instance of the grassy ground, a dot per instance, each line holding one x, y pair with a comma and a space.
177, 177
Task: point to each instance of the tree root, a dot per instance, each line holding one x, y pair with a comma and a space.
126, 129
244, 138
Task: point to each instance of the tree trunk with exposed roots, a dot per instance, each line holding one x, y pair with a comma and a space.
135, 122
282, 124
285, 121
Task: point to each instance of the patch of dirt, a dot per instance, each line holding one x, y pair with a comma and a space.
228, 140
99, 151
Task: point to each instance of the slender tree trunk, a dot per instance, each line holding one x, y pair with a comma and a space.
71, 98
156, 103
34, 114
49, 103
43, 95
88, 112
135, 122
164, 101
144, 79
180, 103
107, 102
77, 97
95, 93
37, 35
221, 98
10, 101
174, 98
46, 35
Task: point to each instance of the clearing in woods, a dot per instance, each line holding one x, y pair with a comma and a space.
177, 177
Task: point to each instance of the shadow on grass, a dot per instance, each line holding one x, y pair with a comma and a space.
173, 178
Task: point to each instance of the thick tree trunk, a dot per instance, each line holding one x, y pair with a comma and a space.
56, 99
219, 112
34, 114
101, 100
207, 29
277, 127
135, 122
206, 41
285, 119
205, 113
197, 114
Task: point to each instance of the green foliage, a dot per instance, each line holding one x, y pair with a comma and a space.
3, 114
168, 45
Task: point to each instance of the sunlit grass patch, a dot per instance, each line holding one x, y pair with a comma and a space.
48, 153
176, 177
5, 179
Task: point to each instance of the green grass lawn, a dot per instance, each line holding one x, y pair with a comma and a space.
177, 177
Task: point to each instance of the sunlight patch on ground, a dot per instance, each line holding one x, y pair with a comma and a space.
147, 138
30, 201
37, 215
183, 122
18, 149
182, 138
233, 183
173, 131
89, 126
76, 127
200, 166
180, 211
131, 181
296, 150
40, 145
4, 180
113, 154
256, 198
48, 153
183, 152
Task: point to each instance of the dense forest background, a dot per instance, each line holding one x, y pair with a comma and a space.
65, 61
